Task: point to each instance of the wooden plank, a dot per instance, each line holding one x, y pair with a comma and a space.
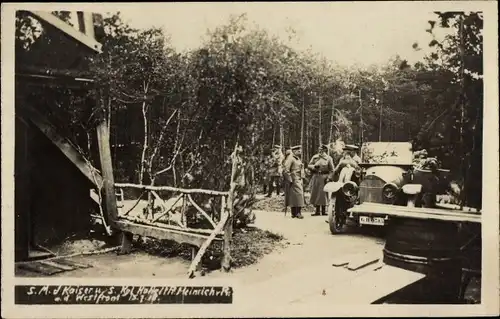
72, 263
62, 26
363, 261
439, 211
172, 189
345, 259
37, 267
148, 222
107, 171
56, 265
391, 211
205, 244
161, 233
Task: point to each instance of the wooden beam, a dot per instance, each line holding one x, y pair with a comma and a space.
413, 212
205, 244
162, 233
62, 26
172, 189
148, 222
54, 81
107, 171
425, 210
63, 144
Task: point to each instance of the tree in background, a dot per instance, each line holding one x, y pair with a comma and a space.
173, 113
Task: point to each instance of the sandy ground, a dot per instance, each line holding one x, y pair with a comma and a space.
308, 242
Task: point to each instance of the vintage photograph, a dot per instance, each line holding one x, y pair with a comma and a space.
317, 158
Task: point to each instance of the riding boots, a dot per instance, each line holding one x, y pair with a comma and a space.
317, 213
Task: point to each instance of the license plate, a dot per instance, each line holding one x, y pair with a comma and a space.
379, 221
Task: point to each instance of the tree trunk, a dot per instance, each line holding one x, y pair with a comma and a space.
302, 125
145, 143
380, 123
330, 138
361, 117
319, 124
308, 137
462, 153
274, 134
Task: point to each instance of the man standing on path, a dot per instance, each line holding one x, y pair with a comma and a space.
275, 170
321, 166
286, 184
294, 174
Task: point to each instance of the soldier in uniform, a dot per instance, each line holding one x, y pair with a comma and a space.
294, 174
321, 166
354, 154
286, 184
349, 162
275, 170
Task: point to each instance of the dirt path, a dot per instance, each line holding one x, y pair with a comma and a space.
310, 244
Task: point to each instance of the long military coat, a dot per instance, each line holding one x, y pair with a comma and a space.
321, 165
293, 172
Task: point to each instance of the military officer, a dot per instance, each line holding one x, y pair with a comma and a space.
347, 161
275, 170
293, 171
321, 166
286, 184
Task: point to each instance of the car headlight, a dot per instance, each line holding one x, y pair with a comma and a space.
389, 192
350, 190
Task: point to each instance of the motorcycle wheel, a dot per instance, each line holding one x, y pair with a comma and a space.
335, 221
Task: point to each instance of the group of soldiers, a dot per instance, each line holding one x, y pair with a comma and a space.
290, 168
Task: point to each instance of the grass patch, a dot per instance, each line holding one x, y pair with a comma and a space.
249, 245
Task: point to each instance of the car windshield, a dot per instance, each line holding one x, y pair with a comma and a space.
396, 153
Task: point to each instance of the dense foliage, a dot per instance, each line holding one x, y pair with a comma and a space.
173, 113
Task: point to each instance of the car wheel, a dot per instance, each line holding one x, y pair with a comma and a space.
335, 221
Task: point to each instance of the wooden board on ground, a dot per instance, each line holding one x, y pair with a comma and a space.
56, 265
50, 267
71, 263
363, 260
39, 268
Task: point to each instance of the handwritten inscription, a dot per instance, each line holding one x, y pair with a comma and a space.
121, 294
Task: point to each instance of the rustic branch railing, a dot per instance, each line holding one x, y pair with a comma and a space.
172, 189
222, 228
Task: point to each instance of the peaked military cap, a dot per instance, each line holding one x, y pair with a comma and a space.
351, 147
296, 147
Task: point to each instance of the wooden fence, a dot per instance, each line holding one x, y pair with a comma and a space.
169, 219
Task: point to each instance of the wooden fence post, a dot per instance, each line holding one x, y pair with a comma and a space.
228, 233
108, 178
228, 227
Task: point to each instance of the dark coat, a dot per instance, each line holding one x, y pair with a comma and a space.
322, 168
293, 172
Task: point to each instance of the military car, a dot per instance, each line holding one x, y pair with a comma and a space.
389, 175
